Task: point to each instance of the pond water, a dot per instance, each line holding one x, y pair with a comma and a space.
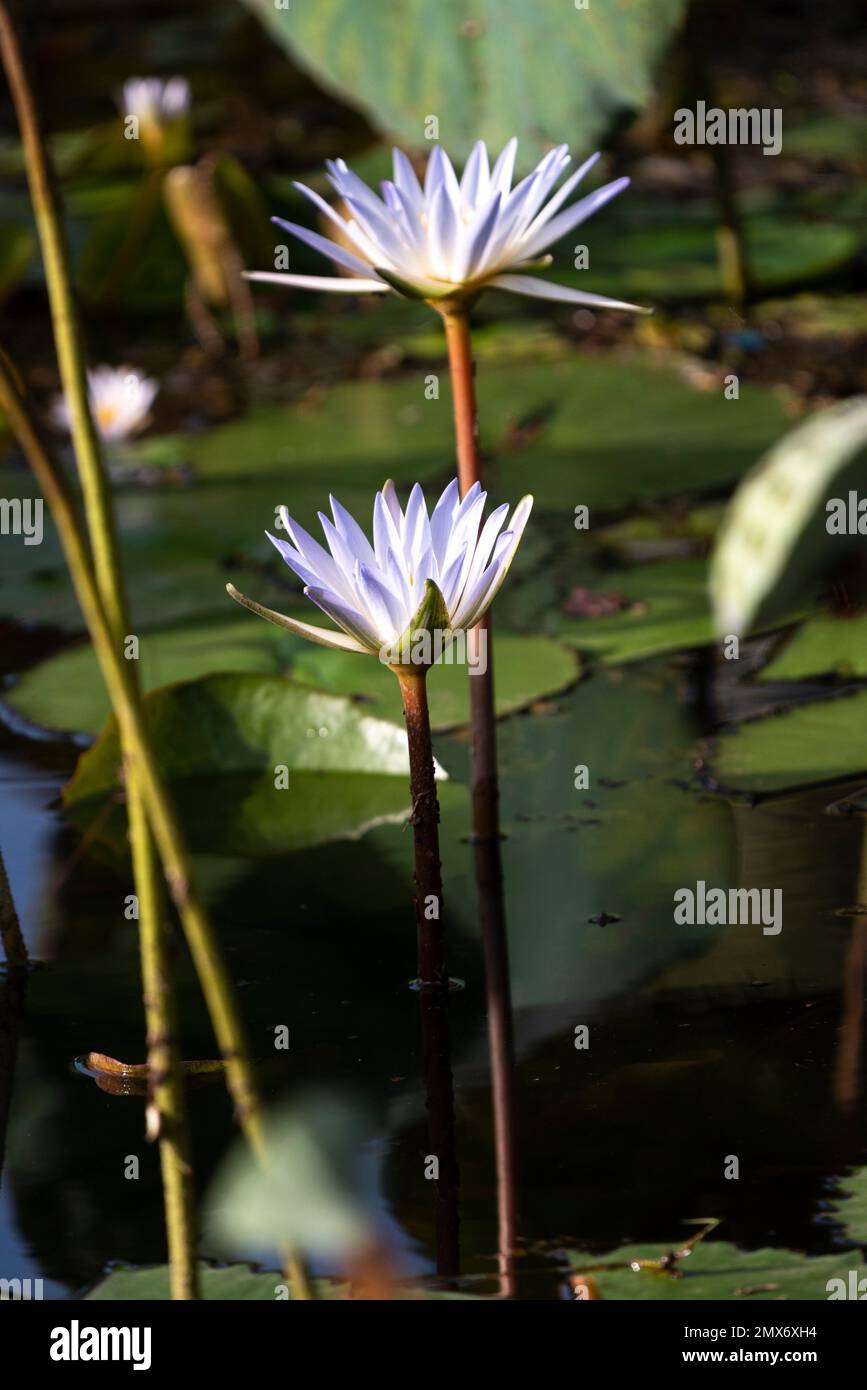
705, 1042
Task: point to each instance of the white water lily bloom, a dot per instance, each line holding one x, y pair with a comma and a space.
448, 238
120, 399
154, 100
438, 571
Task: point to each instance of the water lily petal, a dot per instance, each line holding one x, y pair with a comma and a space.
325, 247
544, 289
339, 641
332, 283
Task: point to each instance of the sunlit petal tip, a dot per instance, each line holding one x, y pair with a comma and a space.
338, 641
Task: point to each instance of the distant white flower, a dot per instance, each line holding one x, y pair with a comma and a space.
155, 101
120, 399
450, 238
436, 572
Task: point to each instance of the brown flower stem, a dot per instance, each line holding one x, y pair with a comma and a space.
432, 980
425, 828
483, 749
463, 374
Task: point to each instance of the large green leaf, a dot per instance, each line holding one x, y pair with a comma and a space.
810, 744
488, 69
67, 691
221, 741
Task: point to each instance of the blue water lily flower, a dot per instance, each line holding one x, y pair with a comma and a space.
440, 570
449, 238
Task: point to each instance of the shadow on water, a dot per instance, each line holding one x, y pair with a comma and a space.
704, 1042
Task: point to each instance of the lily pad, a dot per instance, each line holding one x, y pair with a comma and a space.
809, 745
236, 1283
485, 71
825, 645
256, 765
565, 439
718, 1270
67, 691
680, 261
665, 608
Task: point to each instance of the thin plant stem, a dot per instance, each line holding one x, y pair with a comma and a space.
483, 733
140, 760
167, 1118
166, 1083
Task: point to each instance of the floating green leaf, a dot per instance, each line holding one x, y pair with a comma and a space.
809, 744
718, 1270
67, 691
665, 608
821, 646
235, 1283
679, 260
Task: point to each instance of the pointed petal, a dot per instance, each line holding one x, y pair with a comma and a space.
337, 640
351, 531
325, 247
356, 625
474, 605
501, 176
332, 283
441, 521
405, 178
294, 560
324, 207
386, 529
573, 217
441, 174
323, 565
384, 607
476, 176
559, 198
544, 289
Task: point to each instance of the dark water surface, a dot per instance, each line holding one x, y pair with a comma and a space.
705, 1041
